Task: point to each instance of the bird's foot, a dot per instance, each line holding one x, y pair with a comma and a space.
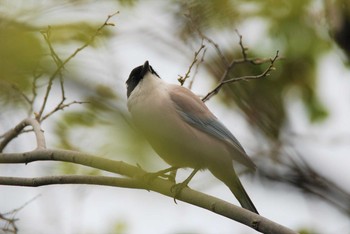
177, 188
149, 177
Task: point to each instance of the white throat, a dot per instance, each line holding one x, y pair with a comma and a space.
151, 86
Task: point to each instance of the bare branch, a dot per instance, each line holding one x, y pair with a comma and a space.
23, 95
243, 48
158, 185
61, 106
62, 64
197, 68
34, 93
10, 226
206, 38
22, 206
13, 133
230, 65
182, 79
47, 34
245, 78
72, 179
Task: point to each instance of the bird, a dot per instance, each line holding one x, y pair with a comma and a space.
183, 131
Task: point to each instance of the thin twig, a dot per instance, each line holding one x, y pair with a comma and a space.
61, 65
22, 206
11, 226
230, 65
13, 133
245, 59
243, 48
47, 34
34, 93
245, 78
25, 97
61, 106
217, 48
206, 38
197, 69
182, 79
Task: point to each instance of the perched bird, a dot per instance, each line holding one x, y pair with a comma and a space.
183, 131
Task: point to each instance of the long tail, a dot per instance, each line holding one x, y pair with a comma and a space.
238, 190
229, 177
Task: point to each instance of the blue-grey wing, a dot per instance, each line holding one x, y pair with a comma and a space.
211, 126
196, 114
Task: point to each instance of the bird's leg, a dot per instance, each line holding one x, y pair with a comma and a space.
172, 176
162, 173
178, 187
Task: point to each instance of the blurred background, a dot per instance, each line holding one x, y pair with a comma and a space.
295, 124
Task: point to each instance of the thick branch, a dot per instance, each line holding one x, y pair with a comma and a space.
162, 186
13, 133
71, 179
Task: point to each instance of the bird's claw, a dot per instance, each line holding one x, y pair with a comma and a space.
176, 189
149, 177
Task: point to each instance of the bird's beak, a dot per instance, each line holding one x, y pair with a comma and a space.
145, 69
146, 65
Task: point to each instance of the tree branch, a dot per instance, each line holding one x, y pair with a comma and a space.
196, 69
61, 106
243, 48
10, 218
136, 174
72, 179
182, 79
13, 133
61, 64
245, 78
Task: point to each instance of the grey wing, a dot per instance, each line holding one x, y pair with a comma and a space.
211, 126
195, 113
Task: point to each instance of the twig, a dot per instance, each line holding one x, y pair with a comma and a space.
11, 134
62, 64
158, 185
61, 106
25, 97
34, 93
11, 222
230, 65
209, 40
46, 34
245, 78
243, 48
10, 225
196, 69
182, 79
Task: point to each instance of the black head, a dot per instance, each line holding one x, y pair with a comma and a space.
137, 75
